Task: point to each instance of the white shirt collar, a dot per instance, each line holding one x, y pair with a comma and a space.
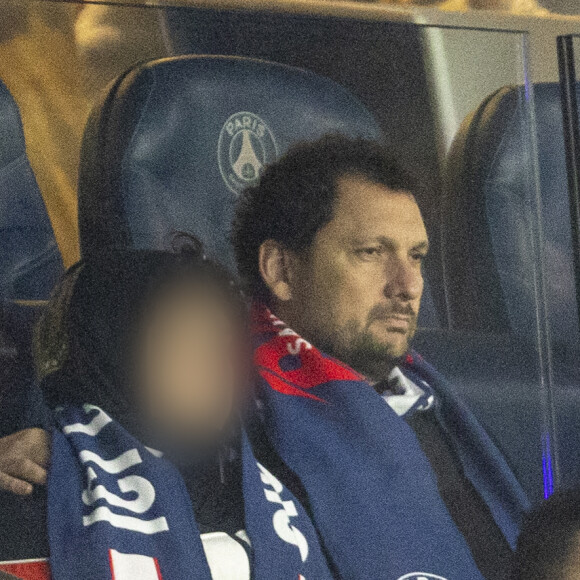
403, 394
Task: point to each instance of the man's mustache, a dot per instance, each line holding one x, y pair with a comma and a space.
384, 312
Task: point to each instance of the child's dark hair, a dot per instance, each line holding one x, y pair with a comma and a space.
80, 341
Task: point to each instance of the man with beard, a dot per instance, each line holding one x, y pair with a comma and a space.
332, 242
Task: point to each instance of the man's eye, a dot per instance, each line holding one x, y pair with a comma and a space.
419, 257
370, 252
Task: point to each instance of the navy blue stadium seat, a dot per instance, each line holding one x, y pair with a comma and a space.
489, 182
174, 141
30, 263
490, 270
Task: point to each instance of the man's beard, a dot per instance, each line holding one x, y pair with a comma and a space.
356, 345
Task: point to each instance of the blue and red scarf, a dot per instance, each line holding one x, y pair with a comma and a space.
372, 493
116, 509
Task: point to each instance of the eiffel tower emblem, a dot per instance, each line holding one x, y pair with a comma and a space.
247, 166
245, 146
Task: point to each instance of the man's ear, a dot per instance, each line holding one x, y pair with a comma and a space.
276, 268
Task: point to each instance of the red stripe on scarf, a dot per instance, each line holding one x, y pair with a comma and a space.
312, 368
28, 569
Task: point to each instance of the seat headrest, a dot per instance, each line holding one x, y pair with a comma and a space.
174, 141
30, 263
490, 188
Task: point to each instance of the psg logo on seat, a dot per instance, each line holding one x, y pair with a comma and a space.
245, 146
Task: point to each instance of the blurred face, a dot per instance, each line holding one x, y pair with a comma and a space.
356, 292
190, 369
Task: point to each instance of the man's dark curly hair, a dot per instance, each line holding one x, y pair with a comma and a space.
295, 196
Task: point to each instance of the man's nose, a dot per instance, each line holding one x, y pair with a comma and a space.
404, 280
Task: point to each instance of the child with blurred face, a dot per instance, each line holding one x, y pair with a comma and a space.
155, 340
188, 366
145, 365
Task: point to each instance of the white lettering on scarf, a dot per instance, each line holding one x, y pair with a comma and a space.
134, 484
100, 420
140, 488
281, 519
295, 346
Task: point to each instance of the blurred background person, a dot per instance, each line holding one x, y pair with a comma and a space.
55, 94
52, 101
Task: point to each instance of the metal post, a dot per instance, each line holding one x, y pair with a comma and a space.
567, 69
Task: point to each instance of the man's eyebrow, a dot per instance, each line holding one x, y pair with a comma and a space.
386, 241
422, 246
